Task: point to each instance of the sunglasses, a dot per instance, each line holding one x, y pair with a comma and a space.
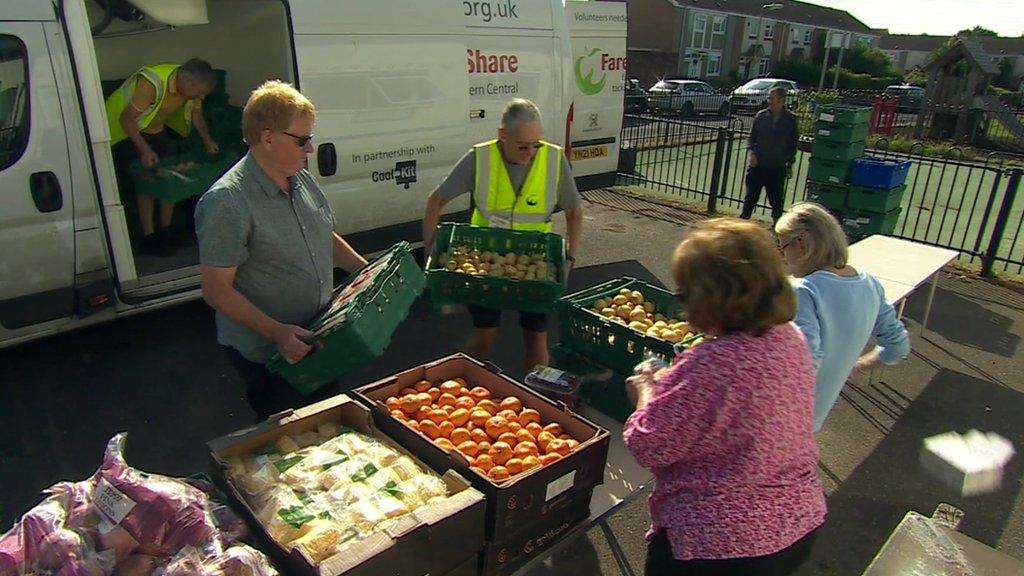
300, 140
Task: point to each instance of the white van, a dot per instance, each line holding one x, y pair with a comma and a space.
403, 88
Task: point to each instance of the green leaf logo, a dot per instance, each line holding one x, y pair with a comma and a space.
586, 82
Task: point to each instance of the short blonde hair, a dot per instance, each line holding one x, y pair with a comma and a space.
273, 106
731, 278
823, 239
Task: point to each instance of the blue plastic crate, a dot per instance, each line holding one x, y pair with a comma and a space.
872, 172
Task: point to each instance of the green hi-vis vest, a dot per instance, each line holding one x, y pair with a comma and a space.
495, 201
157, 74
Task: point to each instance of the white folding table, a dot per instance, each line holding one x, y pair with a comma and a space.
901, 266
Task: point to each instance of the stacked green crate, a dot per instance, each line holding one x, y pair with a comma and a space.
840, 136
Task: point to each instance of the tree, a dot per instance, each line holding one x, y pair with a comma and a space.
976, 31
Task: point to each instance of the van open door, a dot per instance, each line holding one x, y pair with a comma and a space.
37, 269
597, 32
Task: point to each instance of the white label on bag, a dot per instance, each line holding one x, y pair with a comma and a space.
827, 117
560, 485
112, 504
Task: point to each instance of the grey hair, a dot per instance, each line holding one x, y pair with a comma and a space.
823, 238
518, 112
779, 92
199, 72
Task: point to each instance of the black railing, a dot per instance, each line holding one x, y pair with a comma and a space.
970, 205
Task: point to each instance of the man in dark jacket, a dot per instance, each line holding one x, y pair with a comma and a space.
772, 144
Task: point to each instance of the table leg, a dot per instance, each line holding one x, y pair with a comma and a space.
617, 551
899, 312
928, 306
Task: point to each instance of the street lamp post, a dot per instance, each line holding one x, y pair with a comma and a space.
760, 20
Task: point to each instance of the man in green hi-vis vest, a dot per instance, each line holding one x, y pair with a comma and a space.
156, 97
518, 182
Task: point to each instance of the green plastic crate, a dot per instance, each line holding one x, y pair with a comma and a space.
451, 288
606, 393
353, 331
837, 151
840, 132
876, 199
844, 114
607, 342
828, 171
181, 176
834, 196
864, 223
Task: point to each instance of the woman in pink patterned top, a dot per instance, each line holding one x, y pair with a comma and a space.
727, 428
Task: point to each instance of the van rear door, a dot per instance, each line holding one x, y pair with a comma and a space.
37, 269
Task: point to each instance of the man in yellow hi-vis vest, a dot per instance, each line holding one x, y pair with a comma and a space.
153, 98
518, 181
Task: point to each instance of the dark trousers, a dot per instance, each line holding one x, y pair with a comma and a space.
661, 562
268, 393
773, 180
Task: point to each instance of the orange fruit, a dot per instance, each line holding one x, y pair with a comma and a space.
487, 405
465, 402
543, 439
393, 403
445, 444
434, 393
484, 446
555, 428
459, 416
446, 428
557, 446
459, 435
407, 391
423, 413
549, 458
508, 438
529, 415
422, 385
423, 398
534, 428
496, 426
514, 426
413, 424
469, 448
508, 415
530, 462
479, 416
446, 399
512, 403
409, 404
450, 387
524, 435
448, 409
484, 462
479, 435
524, 449
500, 452
572, 444
479, 393
514, 466
464, 393
437, 415
498, 473
462, 382
399, 415
565, 437
429, 428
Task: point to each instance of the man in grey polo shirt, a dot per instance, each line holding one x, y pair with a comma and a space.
267, 246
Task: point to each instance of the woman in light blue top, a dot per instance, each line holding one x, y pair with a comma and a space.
839, 308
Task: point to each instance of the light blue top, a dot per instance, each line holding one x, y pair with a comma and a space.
838, 315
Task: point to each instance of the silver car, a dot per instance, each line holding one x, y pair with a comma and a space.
754, 94
687, 98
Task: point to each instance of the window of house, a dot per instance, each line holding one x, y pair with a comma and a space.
751, 32
762, 67
13, 100
714, 64
808, 35
700, 26
769, 30
719, 25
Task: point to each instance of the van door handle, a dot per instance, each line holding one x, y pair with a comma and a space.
327, 159
46, 191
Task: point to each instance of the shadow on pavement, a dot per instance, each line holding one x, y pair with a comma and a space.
964, 321
872, 500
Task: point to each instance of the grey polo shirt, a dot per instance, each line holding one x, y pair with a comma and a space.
281, 244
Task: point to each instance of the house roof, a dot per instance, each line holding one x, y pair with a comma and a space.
969, 50
995, 46
791, 11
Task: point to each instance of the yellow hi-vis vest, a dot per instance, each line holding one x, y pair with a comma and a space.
495, 201
157, 74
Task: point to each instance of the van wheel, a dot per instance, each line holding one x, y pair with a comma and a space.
687, 110
724, 109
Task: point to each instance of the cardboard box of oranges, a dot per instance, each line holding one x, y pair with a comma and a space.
517, 447
439, 538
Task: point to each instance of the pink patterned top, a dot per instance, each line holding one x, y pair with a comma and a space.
728, 436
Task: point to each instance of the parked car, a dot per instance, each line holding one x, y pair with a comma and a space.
754, 94
687, 98
635, 98
911, 98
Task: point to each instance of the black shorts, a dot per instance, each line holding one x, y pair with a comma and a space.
491, 318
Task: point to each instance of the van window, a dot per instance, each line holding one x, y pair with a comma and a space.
13, 96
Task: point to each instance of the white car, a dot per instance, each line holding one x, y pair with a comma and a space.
754, 94
687, 98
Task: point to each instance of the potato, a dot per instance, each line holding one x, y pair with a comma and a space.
620, 300
638, 326
608, 312
601, 304
637, 297
624, 311
649, 307
637, 315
